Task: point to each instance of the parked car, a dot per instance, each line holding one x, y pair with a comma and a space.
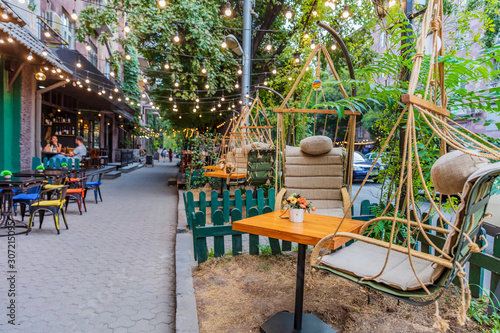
361, 166
382, 161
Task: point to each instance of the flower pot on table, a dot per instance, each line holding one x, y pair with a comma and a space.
297, 215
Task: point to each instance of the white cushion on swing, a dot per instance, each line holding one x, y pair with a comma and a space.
366, 260
316, 145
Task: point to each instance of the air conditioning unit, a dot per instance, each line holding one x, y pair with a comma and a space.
53, 20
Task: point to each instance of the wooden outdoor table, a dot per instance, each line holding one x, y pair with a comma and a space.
222, 174
47, 173
212, 167
309, 232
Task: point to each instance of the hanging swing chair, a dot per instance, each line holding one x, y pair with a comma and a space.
396, 267
223, 147
317, 170
252, 130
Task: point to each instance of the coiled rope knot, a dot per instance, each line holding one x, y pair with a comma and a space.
417, 55
432, 82
436, 24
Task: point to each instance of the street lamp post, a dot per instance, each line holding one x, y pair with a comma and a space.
247, 49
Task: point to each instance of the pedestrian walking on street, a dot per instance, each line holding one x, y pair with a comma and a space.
164, 154
170, 154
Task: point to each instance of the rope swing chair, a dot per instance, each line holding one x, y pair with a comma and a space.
396, 267
252, 130
316, 170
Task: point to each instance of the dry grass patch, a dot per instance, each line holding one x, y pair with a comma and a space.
237, 294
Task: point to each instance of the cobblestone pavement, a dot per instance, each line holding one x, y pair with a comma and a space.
112, 271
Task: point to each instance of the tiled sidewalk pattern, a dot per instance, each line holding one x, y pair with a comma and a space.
112, 271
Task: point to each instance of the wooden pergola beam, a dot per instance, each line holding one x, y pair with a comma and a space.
407, 98
347, 112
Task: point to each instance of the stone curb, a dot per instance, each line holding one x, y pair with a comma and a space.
186, 313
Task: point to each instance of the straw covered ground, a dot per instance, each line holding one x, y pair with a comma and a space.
237, 294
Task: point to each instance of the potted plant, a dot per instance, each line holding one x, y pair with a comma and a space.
297, 205
64, 165
6, 174
40, 168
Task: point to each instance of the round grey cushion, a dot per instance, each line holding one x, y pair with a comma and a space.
316, 145
450, 172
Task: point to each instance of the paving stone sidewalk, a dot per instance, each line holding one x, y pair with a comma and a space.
112, 271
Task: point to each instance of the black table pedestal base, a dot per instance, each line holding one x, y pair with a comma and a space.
282, 322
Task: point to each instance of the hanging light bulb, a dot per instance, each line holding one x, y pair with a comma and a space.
180, 117
233, 106
47, 33
315, 13
30, 57
194, 110
58, 70
197, 106
45, 53
88, 88
239, 71
313, 46
289, 78
10, 40
128, 57
127, 98
265, 81
177, 39
5, 16
296, 57
162, 3
306, 36
167, 65
119, 100
333, 47
79, 64
2, 41
88, 47
203, 69
126, 29
103, 91
274, 71
176, 84
170, 98
99, 93
40, 76
197, 99
392, 3
345, 13
145, 80
74, 15
220, 113
207, 86
78, 83
67, 79
289, 13
269, 46
228, 11
218, 105
222, 98
87, 80
224, 44
116, 89
143, 95
53, 70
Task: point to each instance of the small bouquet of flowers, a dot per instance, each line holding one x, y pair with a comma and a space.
295, 201
229, 168
221, 163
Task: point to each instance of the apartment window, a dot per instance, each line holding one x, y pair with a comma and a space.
107, 69
93, 54
68, 30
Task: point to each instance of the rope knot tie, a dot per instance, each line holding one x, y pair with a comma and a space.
432, 82
436, 24
417, 55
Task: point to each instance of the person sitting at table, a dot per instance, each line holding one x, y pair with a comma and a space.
79, 152
53, 146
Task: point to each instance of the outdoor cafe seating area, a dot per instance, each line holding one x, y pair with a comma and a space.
49, 189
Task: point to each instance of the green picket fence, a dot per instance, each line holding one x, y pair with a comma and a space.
227, 210
223, 212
